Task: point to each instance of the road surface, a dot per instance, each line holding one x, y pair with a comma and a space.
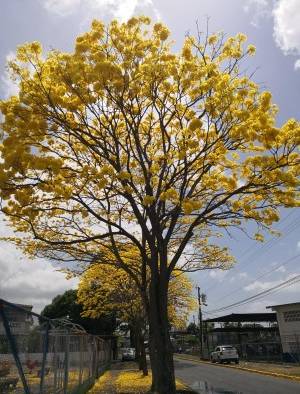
215, 379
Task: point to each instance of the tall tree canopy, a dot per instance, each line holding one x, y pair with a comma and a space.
104, 289
124, 141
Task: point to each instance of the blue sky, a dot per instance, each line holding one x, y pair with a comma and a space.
273, 26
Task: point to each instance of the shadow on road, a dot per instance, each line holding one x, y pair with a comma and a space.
183, 365
203, 387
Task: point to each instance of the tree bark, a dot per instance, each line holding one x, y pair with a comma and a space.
161, 353
142, 357
140, 352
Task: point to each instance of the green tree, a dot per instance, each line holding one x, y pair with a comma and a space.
192, 328
66, 306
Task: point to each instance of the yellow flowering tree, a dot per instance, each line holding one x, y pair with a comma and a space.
124, 141
106, 288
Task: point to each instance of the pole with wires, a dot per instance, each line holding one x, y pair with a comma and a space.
201, 300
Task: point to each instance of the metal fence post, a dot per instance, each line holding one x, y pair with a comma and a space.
14, 348
66, 372
81, 348
45, 351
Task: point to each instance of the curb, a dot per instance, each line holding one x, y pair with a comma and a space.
277, 375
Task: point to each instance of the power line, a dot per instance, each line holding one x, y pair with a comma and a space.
255, 297
251, 247
261, 276
292, 227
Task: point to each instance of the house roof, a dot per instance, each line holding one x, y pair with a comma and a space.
28, 307
244, 317
279, 305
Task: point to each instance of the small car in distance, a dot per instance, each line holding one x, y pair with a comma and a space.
128, 354
223, 354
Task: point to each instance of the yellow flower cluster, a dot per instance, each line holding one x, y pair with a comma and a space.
123, 123
134, 382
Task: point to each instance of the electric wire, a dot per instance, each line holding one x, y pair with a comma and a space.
260, 276
291, 227
255, 297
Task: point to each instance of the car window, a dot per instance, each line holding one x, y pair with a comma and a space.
217, 349
227, 348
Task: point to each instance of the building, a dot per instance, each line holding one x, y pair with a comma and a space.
288, 317
255, 335
20, 322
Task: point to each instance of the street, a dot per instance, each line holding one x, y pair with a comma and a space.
214, 379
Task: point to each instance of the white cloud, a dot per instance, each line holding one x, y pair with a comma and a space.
281, 269
120, 9
286, 19
258, 286
61, 7
297, 64
287, 25
240, 276
9, 87
219, 275
26, 281
286, 15
258, 9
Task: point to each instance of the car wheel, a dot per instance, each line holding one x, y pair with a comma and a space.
236, 361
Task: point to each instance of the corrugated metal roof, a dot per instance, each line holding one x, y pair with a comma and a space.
244, 317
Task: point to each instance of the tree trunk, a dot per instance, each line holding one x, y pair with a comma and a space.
140, 352
136, 344
143, 360
161, 353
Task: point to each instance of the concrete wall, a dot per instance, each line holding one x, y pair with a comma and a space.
289, 327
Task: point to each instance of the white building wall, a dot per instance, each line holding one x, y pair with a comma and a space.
288, 317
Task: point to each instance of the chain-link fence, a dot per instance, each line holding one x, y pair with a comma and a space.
43, 356
291, 347
287, 351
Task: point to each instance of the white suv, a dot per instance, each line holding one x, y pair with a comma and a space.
128, 354
224, 353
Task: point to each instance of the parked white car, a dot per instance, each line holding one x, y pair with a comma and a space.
128, 354
224, 353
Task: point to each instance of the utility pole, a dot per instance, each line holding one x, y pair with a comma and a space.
201, 300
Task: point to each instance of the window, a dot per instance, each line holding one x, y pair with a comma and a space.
290, 316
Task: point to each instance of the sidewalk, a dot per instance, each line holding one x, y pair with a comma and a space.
124, 378
287, 371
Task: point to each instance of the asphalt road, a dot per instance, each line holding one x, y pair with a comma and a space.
215, 379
